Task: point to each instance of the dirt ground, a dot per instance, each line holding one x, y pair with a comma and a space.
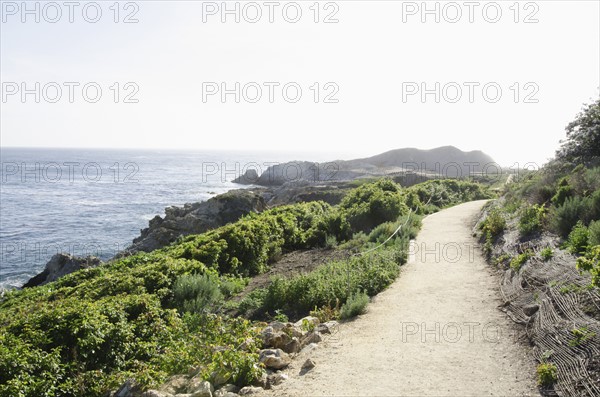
437, 331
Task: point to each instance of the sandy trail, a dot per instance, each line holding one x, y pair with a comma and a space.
436, 331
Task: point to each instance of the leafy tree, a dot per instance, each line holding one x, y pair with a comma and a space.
582, 145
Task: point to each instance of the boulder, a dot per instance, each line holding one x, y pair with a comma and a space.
274, 358
250, 390
294, 331
156, 393
176, 384
276, 339
199, 388
276, 378
262, 381
293, 346
127, 389
308, 348
226, 390
307, 323
328, 328
250, 177
313, 337
530, 310
224, 393
218, 378
60, 265
308, 364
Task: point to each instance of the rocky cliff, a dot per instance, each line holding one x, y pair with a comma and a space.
197, 218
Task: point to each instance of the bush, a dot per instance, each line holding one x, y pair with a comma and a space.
563, 192
592, 179
593, 209
565, 217
591, 263
382, 232
547, 254
494, 223
326, 313
594, 233
546, 374
253, 301
372, 204
231, 285
197, 294
577, 242
532, 218
520, 260
355, 305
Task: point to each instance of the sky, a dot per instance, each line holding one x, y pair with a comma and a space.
350, 78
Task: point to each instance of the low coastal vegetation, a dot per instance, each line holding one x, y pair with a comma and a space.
152, 315
545, 233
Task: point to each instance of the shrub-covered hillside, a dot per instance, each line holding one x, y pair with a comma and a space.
152, 315
544, 233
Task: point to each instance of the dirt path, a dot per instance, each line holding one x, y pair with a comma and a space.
436, 331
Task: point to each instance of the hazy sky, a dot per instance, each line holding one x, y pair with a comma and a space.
374, 62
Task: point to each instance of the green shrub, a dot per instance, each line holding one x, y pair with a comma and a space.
531, 220
494, 223
594, 233
546, 374
591, 263
232, 285
355, 305
382, 232
543, 194
519, 260
547, 253
253, 301
280, 316
331, 242
562, 193
581, 335
565, 217
372, 204
326, 313
592, 179
577, 241
197, 293
593, 209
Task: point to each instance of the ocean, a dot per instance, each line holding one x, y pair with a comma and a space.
95, 201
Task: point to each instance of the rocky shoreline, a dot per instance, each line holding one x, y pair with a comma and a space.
196, 218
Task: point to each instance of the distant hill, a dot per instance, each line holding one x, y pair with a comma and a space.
430, 160
445, 161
